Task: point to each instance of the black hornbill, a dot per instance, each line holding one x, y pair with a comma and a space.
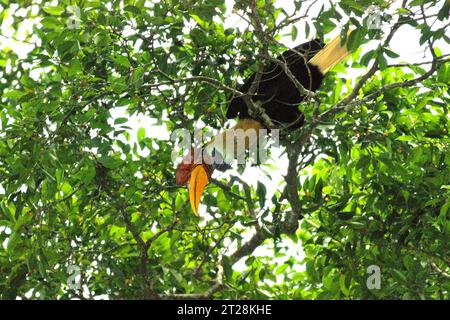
277, 94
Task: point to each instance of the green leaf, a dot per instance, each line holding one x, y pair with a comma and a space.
354, 40
391, 53
382, 62
318, 191
261, 192
137, 77
294, 32
120, 120
55, 10
281, 269
346, 215
404, 138
66, 188
122, 61
249, 261
111, 162
51, 23
443, 13
14, 94
140, 134
75, 67
399, 275
443, 214
368, 56
227, 267
132, 9
77, 189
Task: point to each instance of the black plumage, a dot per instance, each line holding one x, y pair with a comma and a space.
279, 96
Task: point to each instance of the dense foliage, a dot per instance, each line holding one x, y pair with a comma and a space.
83, 188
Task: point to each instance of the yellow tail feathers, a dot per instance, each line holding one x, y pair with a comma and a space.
330, 55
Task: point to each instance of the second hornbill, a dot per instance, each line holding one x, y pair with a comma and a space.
277, 94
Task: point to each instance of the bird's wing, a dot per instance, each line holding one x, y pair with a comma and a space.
274, 82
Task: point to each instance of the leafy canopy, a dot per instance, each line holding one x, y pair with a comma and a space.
82, 185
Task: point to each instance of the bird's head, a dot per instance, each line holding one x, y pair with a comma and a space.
195, 171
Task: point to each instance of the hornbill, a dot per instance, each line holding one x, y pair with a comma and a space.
277, 94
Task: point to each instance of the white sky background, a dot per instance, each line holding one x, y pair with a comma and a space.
405, 43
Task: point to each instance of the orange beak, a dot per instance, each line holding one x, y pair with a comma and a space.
197, 183
198, 177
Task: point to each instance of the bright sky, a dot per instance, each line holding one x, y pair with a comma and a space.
405, 43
